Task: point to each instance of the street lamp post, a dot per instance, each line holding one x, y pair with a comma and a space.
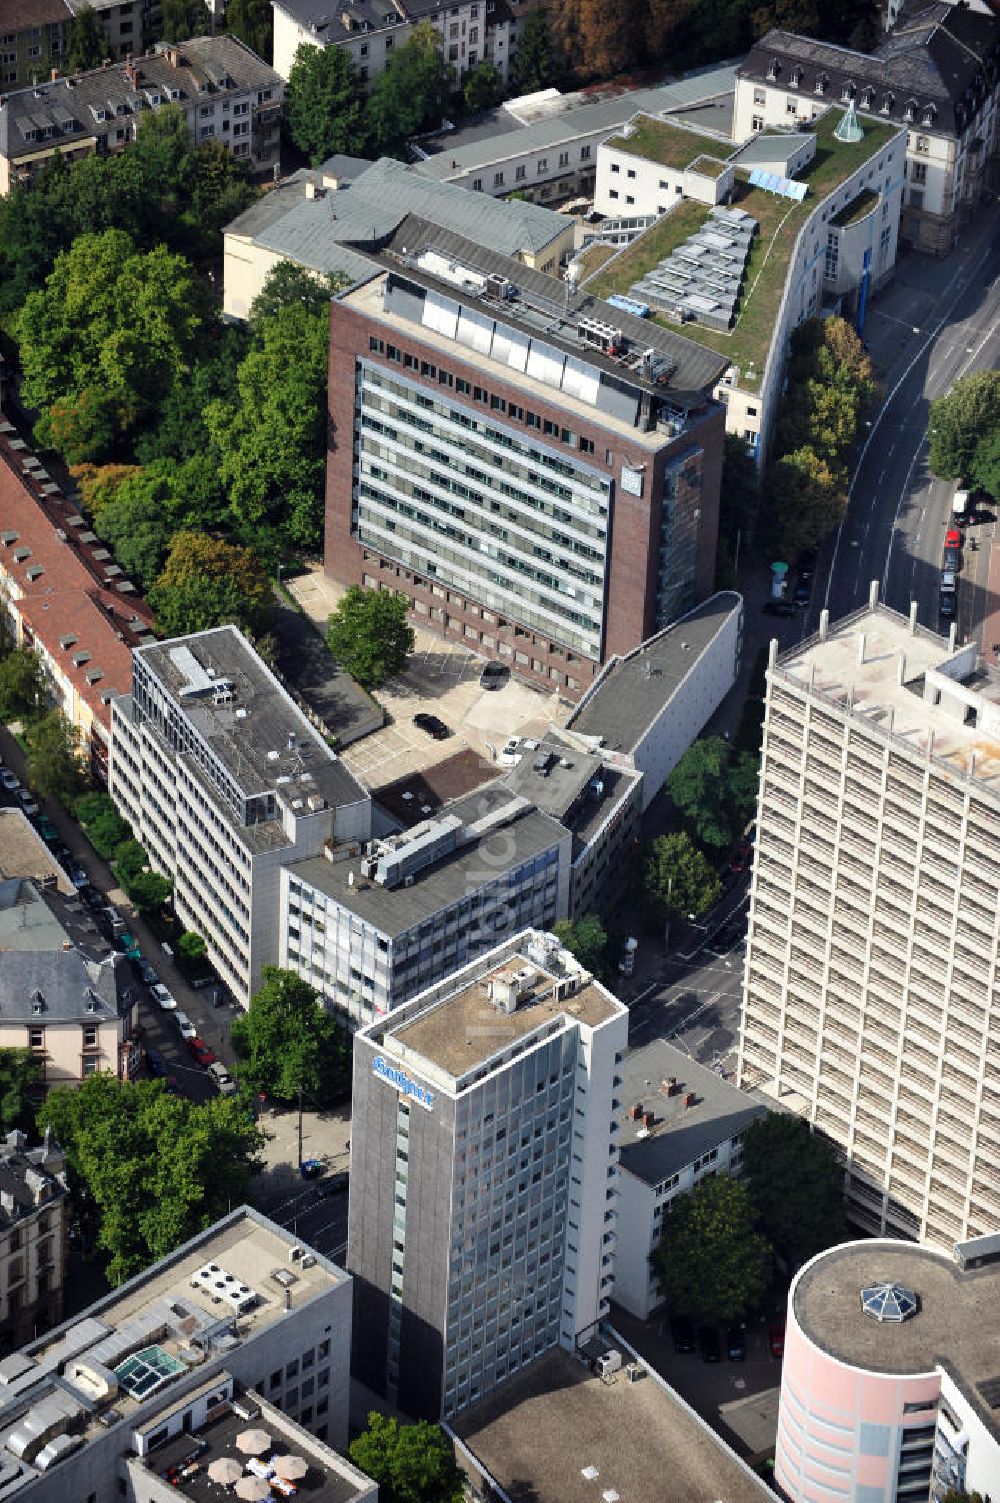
666, 930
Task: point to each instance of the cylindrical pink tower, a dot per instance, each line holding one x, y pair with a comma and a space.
859, 1383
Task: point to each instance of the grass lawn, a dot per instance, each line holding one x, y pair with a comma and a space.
670, 145
856, 209
779, 221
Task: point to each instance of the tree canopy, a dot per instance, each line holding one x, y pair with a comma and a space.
22, 684
586, 938
111, 319
715, 790
185, 18
287, 1042
483, 88
678, 878
86, 46
796, 1182
21, 1071
155, 1168
535, 62
53, 756
711, 1260
206, 582
411, 94
370, 636
410, 1463
253, 22
323, 109
287, 286
962, 423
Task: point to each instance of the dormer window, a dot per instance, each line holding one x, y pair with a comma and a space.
29, 135
773, 69
887, 104
821, 83
847, 94
796, 76
867, 98
910, 113
930, 115
98, 111
69, 126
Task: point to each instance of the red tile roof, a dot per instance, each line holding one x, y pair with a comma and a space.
66, 609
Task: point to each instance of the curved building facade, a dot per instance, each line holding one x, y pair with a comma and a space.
892, 1352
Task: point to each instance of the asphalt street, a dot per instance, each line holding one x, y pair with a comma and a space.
939, 320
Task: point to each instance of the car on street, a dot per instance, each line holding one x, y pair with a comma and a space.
311, 1168
741, 858
946, 604
223, 1081
47, 830
776, 1338
78, 877
28, 802
9, 781
200, 1051
337, 1184
952, 560
494, 676
148, 973
803, 593
952, 538
807, 564
709, 1344
93, 898
682, 1331
130, 946
155, 1063
736, 1344
431, 725
185, 1027
778, 608
166, 999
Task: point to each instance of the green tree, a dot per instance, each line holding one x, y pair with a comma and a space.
411, 94
679, 880
370, 636
410, 1463
739, 497
271, 440
80, 427
253, 22
149, 891
483, 89
714, 790
113, 318
206, 582
711, 1260
137, 517
185, 18
796, 1183
22, 685
807, 498
585, 938
180, 432
984, 470
961, 421
190, 947
287, 285
213, 190
155, 1168
21, 1073
106, 830
53, 756
86, 45
287, 1042
130, 859
535, 63
323, 109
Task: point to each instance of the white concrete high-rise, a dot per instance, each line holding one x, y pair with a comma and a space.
872, 956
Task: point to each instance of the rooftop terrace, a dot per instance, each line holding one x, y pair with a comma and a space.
779, 220
670, 145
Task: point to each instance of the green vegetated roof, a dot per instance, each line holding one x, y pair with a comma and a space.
779, 222
858, 207
670, 145
709, 166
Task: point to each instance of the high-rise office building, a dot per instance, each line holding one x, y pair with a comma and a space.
536, 470
484, 1137
871, 971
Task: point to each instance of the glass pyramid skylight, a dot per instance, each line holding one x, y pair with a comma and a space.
889, 1302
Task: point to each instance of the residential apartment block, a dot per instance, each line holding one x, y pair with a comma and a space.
34, 1228
871, 970
63, 595
225, 781
936, 75
888, 1380
484, 1137
226, 93
536, 471
473, 32
312, 220
67, 995
372, 930
679, 1123
240, 1328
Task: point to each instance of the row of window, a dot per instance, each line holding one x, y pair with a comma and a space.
542, 166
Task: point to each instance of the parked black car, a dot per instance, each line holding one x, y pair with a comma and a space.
709, 1344
778, 608
682, 1330
432, 725
736, 1344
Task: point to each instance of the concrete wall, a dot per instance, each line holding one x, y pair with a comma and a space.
629, 184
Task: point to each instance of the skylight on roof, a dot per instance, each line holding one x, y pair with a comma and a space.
892, 1302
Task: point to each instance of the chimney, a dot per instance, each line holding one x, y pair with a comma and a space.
913, 617
901, 670
952, 636
873, 594
690, 1099
648, 1119
636, 1112
861, 646
310, 188
824, 624
288, 1299
53, 74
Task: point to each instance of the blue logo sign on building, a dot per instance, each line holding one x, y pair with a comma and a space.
404, 1085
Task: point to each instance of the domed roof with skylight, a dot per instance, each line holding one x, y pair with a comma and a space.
889, 1301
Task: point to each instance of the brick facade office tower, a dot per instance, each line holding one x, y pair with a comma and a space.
536, 497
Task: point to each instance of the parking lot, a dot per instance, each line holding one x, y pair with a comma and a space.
442, 679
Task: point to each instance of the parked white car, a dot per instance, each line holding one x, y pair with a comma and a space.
514, 750
9, 781
222, 1078
166, 999
185, 1027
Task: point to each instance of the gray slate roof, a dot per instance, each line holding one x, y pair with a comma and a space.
327, 23
209, 68
329, 233
680, 1133
941, 56
631, 692
459, 156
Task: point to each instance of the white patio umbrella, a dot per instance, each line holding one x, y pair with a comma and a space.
253, 1442
225, 1469
290, 1468
253, 1489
